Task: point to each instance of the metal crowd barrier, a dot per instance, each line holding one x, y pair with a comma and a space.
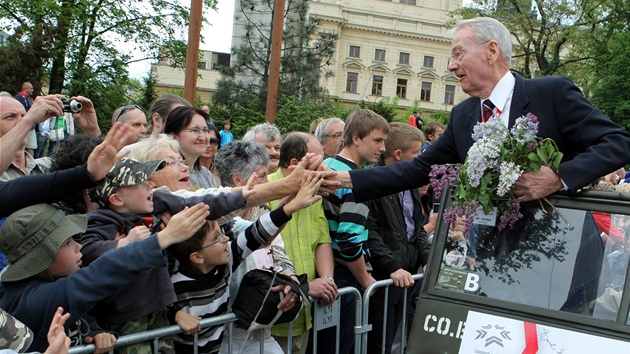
365, 314
361, 327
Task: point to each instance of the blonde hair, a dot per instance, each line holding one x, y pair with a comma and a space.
623, 188
361, 123
149, 148
401, 136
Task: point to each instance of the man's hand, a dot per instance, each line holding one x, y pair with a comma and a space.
402, 278
105, 155
537, 185
86, 119
103, 341
44, 107
323, 289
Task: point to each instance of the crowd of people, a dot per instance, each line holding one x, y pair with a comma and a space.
156, 223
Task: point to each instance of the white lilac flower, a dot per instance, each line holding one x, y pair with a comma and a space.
494, 128
509, 173
482, 155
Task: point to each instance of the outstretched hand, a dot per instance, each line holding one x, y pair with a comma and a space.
58, 341
105, 155
249, 187
44, 107
183, 225
306, 195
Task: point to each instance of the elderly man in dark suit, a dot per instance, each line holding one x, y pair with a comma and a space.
480, 57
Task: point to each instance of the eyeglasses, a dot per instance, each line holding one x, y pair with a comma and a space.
198, 131
458, 53
177, 163
214, 141
219, 239
126, 109
336, 135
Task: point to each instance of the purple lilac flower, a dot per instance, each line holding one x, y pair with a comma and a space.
510, 216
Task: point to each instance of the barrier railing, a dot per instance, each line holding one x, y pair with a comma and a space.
367, 294
361, 327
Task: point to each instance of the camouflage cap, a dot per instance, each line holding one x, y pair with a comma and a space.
14, 334
126, 172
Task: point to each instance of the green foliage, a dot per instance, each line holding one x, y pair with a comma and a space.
553, 37
305, 57
440, 116
76, 41
180, 92
611, 75
148, 93
21, 61
386, 108
293, 114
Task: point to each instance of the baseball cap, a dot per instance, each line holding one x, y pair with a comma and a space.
126, 172
31, 237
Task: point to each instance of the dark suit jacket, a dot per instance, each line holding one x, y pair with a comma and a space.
592, 144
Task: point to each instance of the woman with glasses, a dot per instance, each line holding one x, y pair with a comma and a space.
207, 158
188, 126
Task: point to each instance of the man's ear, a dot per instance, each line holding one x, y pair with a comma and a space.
294, 162
397, 154
157, 120
355, 139
115, 200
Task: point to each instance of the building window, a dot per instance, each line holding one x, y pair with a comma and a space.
379, 54
351, 82
355, 51
377, 85
449, 94
408, 2
428, 61
201, 64
403, 58
425, 92
401, 88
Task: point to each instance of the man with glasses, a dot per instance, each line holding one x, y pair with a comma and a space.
329, 133
133, 116
481, 55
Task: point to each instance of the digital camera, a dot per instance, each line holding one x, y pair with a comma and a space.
72, 106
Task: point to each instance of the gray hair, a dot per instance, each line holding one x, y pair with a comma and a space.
322, 128
239, 157
149, 148
269, 131
487, 29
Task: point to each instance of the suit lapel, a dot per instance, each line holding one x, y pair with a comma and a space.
520, 100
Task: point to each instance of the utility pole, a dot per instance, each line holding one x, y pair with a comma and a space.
192, 54
274, 64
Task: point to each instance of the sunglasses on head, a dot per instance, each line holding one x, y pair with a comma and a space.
126, 109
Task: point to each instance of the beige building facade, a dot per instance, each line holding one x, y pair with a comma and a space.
169, 79
385, 49
391, 48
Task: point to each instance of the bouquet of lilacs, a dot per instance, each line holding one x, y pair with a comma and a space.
494, 162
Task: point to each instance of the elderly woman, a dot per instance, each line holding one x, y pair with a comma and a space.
188, 126
236, 162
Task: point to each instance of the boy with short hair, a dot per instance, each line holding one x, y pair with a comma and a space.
363, 141
44, 269
130, 211
207, 261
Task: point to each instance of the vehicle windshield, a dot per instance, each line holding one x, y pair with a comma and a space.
558, 259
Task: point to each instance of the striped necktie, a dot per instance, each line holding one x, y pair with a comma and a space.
488, 107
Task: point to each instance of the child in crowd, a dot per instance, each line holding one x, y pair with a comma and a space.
208, 259
130, 211
44, 273
226, 134
432, 132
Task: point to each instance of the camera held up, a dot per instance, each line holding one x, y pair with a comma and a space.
71, 106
